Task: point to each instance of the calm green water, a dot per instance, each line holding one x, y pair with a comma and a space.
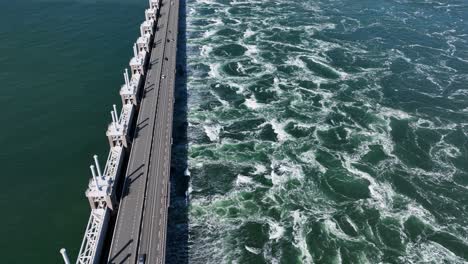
328, 131
60, 73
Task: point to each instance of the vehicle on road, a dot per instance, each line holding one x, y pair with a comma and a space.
141, 259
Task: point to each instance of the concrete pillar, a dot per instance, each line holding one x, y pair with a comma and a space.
135, 51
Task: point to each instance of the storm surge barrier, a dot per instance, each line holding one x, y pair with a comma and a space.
102, 190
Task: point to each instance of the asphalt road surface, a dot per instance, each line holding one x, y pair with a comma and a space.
142, 217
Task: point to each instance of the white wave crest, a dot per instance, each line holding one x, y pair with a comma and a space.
278, 127
252, 103
276, 230
215, 70
206, 50
248, 33
212, 131
243, 180
253, 250
300, 242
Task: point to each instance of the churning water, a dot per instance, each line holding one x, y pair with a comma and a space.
327, 131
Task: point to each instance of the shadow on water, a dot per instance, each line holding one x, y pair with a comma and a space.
177, 229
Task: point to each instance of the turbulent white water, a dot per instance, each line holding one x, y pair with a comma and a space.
327, 131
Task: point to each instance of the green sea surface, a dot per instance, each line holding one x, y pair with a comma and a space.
61, 65
327, 131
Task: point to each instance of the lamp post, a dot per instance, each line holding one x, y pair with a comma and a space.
65, 256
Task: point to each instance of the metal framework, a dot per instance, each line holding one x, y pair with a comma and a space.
94, 237
126, 115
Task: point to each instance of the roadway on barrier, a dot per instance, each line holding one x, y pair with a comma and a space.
153, 231
142, 217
